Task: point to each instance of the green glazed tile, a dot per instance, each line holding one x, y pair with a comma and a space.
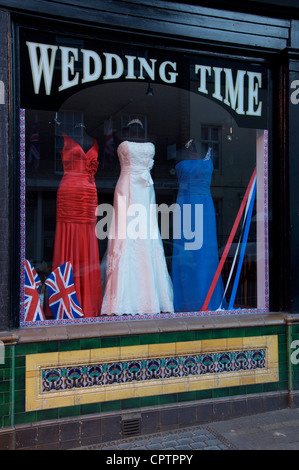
150, 339
255, 331
168, 398
4, 386
149, 401
111, 406
204, 394
69, 411
220, 334
92, 343
91, 408
130, 403
186, 336
112, 342
133, 340
44, 415
203, 334
69, 345
25, 418
24, 349
187, 396
168, 337
48, 347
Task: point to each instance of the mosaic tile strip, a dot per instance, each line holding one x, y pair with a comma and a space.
67, 378
71, 378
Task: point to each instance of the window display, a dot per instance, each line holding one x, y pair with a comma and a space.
144, 183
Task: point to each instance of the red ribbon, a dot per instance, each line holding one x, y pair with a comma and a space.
228, 244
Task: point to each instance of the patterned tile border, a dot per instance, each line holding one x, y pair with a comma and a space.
121, 372
71, 378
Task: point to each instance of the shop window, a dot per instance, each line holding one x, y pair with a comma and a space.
149, 210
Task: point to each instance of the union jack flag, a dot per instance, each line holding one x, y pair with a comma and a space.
63, 299
33, 307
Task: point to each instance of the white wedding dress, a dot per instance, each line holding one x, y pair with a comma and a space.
137, 279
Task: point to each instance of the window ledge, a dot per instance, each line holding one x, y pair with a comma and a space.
137, 327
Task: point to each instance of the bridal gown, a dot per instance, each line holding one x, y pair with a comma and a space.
137, 279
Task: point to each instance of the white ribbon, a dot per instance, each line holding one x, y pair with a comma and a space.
143, 172
147, 177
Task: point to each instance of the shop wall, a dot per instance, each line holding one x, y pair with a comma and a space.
220, 401
179, 406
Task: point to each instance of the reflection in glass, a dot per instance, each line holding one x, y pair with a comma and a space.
172, 115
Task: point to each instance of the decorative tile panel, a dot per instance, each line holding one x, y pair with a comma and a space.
94, 375
99, 375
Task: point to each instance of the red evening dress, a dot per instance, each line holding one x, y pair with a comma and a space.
75, 237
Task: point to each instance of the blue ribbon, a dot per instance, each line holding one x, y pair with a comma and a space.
242, 252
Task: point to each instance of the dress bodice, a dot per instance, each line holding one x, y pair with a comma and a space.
77, 194
137, 158
136, 154
195, 176
78, 162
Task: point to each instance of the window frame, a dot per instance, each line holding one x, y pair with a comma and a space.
22, 240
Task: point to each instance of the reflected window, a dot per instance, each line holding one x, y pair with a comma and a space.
211, 139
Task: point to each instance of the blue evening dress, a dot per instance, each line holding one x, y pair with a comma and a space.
193, 270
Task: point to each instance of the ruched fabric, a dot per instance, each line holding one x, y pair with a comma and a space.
75, 237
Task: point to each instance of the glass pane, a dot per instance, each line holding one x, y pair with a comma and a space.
143, 196
205, 134
214, 134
